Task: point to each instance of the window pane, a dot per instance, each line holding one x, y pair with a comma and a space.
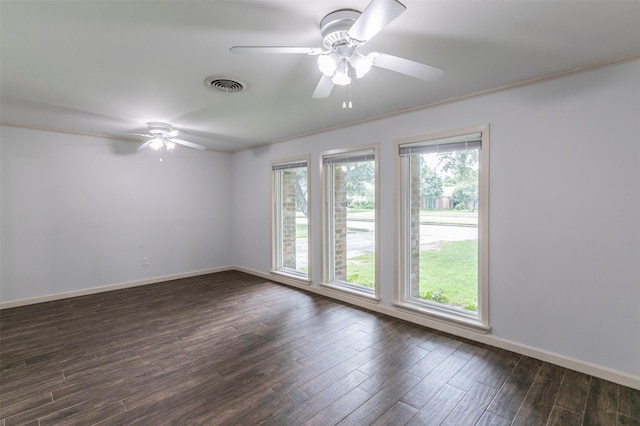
291, 219
353, 222
444, 228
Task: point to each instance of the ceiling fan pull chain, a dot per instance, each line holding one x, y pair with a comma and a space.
350, 104
344, 97
344, 102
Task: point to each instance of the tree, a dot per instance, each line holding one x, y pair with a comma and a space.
430, 181
301, 191
360, 178
466, 193
461, 168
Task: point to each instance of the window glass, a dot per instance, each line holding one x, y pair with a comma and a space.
350, 216
443, 192
291, 218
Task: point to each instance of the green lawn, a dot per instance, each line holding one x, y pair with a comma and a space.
362, 270
302, 231
447, 276
360, 214
450, 275
449, 217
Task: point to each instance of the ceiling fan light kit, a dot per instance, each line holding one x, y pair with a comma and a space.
343, 33
157, 142
362, 64
341, 75
328, 63
342, 64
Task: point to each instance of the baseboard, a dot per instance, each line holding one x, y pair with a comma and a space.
582, 366
579, 365
110, 287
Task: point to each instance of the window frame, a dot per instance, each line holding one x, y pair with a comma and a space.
328, 234
276, 212
402, 293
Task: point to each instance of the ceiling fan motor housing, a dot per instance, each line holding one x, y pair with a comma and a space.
157, 128
334, 27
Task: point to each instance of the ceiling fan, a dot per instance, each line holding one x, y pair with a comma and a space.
163, 135
344, 32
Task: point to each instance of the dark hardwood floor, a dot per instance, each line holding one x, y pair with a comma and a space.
230, 348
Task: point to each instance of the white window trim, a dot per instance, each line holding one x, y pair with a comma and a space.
275, 206
327, 228
431, 310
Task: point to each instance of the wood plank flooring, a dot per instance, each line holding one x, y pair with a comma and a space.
234, 349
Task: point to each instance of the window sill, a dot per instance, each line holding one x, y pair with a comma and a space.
298, 278
368, 296
445, 316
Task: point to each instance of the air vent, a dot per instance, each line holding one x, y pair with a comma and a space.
224, 84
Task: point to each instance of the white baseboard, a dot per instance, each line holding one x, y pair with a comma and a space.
110, 287
582, 366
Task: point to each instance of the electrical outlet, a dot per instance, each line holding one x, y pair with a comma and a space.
145, 261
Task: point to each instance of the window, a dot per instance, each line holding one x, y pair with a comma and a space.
290, 229
443, 211
350, 219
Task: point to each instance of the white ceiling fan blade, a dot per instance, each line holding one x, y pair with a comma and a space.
276, 50
144, 145
377, 15
139, 135
324, 88
406, 66
188, 144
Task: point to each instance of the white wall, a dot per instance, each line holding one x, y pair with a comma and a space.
564, 210
80, 212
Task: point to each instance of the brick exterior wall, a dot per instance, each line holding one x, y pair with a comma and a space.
340, 223
288, 197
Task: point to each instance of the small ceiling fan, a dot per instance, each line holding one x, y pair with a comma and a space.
163, 135
344, 32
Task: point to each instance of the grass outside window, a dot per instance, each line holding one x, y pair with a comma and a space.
447, 275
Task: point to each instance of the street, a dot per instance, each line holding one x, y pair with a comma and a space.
361, 242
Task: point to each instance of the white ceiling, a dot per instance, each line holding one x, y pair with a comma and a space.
111, 66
